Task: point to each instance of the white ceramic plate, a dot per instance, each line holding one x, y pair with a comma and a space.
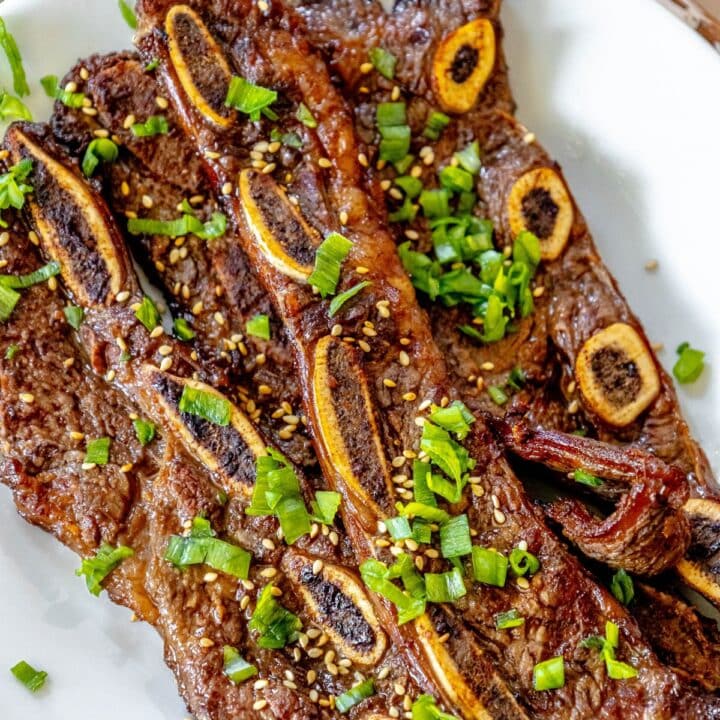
620, 92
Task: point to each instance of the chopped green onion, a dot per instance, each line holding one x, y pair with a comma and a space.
276, 625
509, 619
325, 506
21, 282
456, 179
152, 65
74, 316
391, 113
144, 431
425, 708
355, 695
403, 165
12, 350
410, 185
12, 108
526, 249
622, 587
259, 326
435, 124
305, 116
523, 562
182, 330
378, 578
469, 158
426, 512
277, 492
489, 566
99, 150
337, 302
291, 139
617, 670
12, 52
549, 674
8, 300
497, 394
328, 262
54, 91
421, 532
689, 365
250, 99
186, 225
154, 125
405, 213
517, 378
398, 527
97, 451
201, 547
455, 418
128, 14
421, 491
13, 187
31, 678
97, 568
455, 537
607, 645
435, 203
586, 478
383, 61
210, 406
235, 667
452, 458
148, 314
394, 142
445, 587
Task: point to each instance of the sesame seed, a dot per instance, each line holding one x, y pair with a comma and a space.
488, 366
268, 544
76, 435
110, 375
529, 138
206, 642
259, 704
317, 567
227, 188
499, 516
210, 577
127, 467
268, 572
364, 346
334, 538
270, 167
403, 358
572, 386
197, 308
343, 218
315, 653
244, 602
84, 73
523, 583
651, 265
362, 159
324, 163
165, 350
260, 684
212, 155
273, 147
33, 237
416, 171
87, 466
28, 398
162, 103
91, 111
366, 68
166, 364
157, 331
384, 672
362, 270
573, 407
409, 396
4, 238
395, 93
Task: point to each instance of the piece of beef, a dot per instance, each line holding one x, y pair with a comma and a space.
345, 388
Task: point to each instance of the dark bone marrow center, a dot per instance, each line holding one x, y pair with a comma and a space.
540, 212
464, 63
617, 374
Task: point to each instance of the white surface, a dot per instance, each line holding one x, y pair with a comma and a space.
618, 90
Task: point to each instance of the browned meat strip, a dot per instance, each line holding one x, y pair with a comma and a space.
345, 387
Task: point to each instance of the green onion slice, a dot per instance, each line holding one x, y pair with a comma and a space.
425, 708
182, 330
523, 562
144, 431
384, 62
99, 150
328, 262
455, 418
339, 301
13, 187
154, 125
435, 124
469, 158
250, 99
378, 578
97, 568
455, 537
451, 457
148, 314
622, 587
128, 14
186, 225
12, 52
509, 619
74, 316
549, 674
689, 365
98, 451
305, 116
355, 695
8, 300
398, 527
12, 350
586, 478
12, 108
31, 678
20, 282
276, 625
235, 667
445, 587
54, 91
259, 326
489, 566
325, 506
209, 406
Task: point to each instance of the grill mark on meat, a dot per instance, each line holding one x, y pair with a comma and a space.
235, 459
354, 424
338, 611
61, 210
617, 374
208, 76
540, 211
283, 225
464, 63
